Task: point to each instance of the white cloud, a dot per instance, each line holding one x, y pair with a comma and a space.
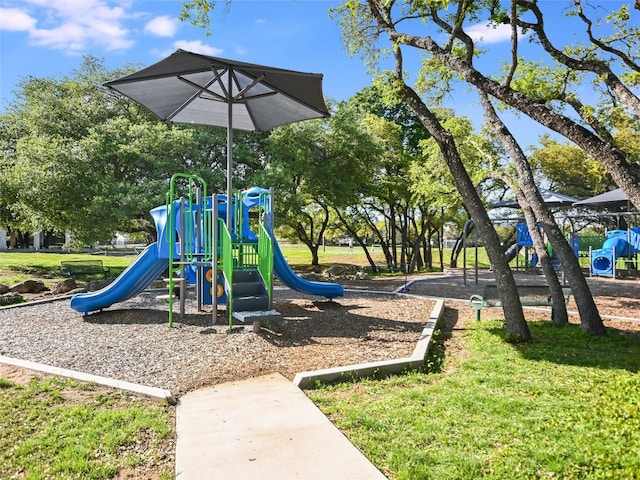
71, 25
196, 46
14, 19
240, 50
489, 33
163, 26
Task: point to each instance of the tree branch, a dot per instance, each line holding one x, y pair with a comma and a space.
598, 67
514, 46
607, 48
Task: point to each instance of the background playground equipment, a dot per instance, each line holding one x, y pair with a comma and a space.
194, 241
530, 259
619, 244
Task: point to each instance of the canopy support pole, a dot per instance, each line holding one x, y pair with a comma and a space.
229, 150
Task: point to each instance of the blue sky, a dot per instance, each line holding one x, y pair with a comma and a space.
48, 38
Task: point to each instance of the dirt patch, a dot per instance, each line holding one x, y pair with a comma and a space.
18, 375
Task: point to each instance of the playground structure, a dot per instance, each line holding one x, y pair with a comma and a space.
227, 264
619, 244
604, 252
616, 245
523, 239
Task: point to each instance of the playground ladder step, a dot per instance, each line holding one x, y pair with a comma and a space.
249, 275
197, 263
250, 303
175, 280
257, 317
248, 288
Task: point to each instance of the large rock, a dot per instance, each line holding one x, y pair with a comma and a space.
11, 298
64, 286
338, 270
94, 285
29, 286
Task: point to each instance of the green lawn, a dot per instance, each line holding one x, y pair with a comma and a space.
17, 267
566, 406
62, 429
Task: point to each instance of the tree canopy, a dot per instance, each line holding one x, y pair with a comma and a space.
78, 158
549, 91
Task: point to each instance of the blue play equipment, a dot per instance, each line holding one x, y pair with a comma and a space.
193, 238
523, 239
618, 244
523, 235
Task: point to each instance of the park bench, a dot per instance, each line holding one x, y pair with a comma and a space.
530, 296
83, 268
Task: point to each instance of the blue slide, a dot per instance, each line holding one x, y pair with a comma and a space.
619, 243
287, 276
135, 278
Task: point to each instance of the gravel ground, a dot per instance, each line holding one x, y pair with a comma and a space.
131, 340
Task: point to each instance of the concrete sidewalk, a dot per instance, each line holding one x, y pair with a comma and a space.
262, 428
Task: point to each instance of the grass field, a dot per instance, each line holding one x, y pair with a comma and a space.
565, 407
19, 266
62, 429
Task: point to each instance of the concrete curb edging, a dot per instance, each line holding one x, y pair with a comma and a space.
37, 302
416, 360
153, 392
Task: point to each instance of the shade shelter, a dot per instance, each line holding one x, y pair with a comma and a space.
188, 87
614, 198
550, 199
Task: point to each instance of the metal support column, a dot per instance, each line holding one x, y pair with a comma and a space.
199, 250
183, 283
214, 259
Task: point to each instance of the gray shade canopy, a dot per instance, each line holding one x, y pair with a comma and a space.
613, 197
189, 87
550, 199
192, 88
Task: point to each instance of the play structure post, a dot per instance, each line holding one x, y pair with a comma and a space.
270, 224
199, 263
183, 243
214, 259
465, 233
191, 241
613, 262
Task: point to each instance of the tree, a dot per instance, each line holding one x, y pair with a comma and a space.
597, 60
517, 328
316, 166
79, 158
362, 24
534, 209
568, 169
432, 180
411, 219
